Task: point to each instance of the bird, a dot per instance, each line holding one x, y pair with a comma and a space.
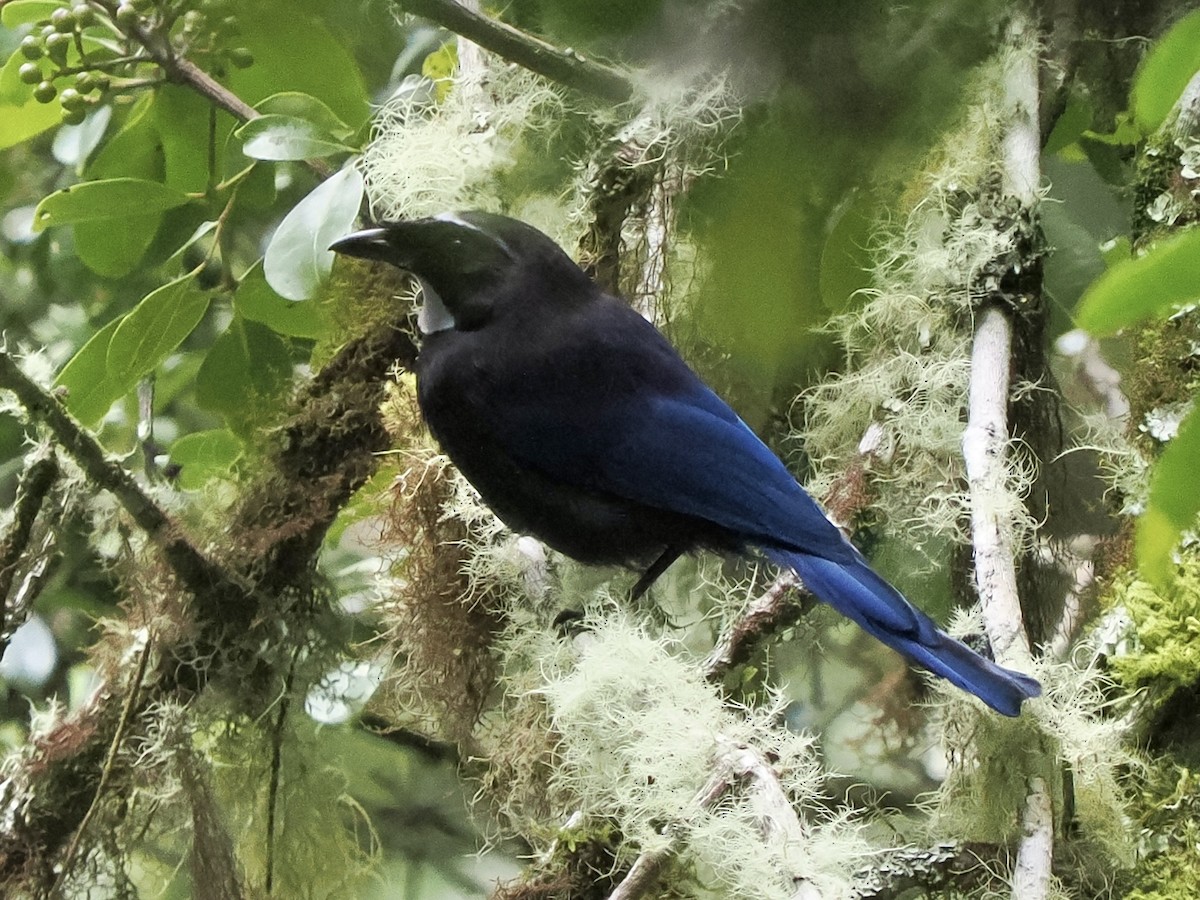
579, 423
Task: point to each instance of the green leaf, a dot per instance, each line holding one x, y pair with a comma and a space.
309, 108
255, 300
26, 12
12, 89
181, 120
1165, 72
204, 455
133, 152
1073, 122
294, 50
19, 122
298, 257
1173, 504
275, 137
244, 373
91, 390
1165, 278
115, 198
439, 67
845, 262
155, 327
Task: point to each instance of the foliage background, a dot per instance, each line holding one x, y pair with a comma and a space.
322, 740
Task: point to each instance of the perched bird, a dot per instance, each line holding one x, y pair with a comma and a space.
579, 424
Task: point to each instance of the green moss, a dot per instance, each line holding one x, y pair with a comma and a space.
1166, 629
1169, 834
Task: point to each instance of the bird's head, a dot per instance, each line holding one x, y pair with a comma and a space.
472, 265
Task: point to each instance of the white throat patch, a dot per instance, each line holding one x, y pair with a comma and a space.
433, 316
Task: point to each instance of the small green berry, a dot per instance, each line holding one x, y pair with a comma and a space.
45, 92
56, 46
47, 31
85, 82
72, 99
30, 73
73, 116
127, 15
63, 20
241, 57
83, 14
101, 81
31, 47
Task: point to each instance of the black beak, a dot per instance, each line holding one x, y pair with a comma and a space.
370, 243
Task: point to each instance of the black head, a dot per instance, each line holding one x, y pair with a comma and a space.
477, 264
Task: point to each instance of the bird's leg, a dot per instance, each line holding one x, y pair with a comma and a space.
660, 565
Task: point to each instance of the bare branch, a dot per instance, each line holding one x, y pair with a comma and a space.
564, 66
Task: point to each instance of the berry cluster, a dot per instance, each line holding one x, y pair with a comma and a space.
61, 64
46, 53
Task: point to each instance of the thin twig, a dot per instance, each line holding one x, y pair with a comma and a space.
38, 478
646, 868
565, 66
135, 687
179, 69
277, 768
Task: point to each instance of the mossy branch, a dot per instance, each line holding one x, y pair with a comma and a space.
734, 763
565, 66
195, 570
330, 446
776, 608
986, 448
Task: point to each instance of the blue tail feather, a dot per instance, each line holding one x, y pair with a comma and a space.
853, 589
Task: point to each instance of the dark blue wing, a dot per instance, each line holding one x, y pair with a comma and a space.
648, 430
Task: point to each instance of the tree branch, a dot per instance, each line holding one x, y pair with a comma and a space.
986, 437
327, 450
985, 447
950, 867
564, 66
775, 608
197, 572
36, 482
734, 763
1031, 875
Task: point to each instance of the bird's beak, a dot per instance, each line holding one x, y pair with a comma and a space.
370, 243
